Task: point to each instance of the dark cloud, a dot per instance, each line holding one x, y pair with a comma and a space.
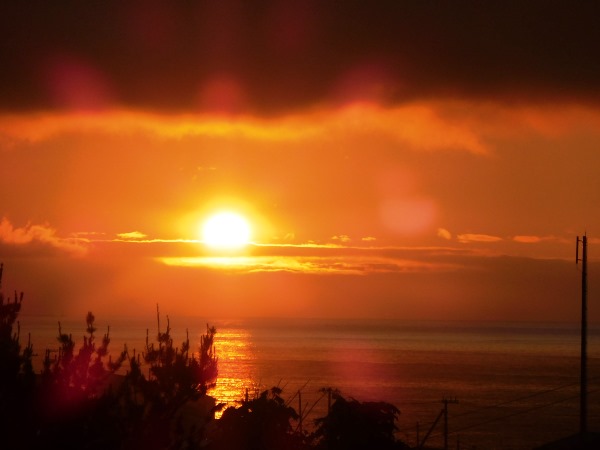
271, 56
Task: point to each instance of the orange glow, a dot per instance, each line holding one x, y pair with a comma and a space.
324, 265
341, 199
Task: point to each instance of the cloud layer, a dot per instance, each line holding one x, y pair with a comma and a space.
279, 56
23, 239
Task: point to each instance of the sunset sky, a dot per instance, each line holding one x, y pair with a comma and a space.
395, 159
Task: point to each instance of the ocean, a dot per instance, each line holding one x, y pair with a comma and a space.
507, 385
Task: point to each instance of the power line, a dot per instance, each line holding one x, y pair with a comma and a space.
507, 402
516, 413
518, 399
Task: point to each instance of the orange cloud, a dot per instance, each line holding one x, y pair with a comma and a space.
38, 234
342, 238
347, 265
132, 235
444, 234
471, 237
495, 120
417, 126
324, 260
527, 239
427, 125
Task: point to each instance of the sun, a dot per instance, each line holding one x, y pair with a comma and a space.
226, 230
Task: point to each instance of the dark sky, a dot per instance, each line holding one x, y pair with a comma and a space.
276, 56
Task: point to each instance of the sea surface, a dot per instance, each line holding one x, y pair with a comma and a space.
508, 385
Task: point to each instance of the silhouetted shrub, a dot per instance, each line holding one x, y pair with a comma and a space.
17, 378
263, 423
152, 408
78, 401
354, 425
71, 379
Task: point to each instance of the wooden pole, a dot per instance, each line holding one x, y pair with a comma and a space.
418, 436
446, 401
583, 382
300, 410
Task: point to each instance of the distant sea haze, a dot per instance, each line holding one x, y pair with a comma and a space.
516, 384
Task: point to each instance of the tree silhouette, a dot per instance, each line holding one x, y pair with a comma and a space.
16, 369
79, 402
152, 407
73, 378
73, 402
17, 378
262, 423
354, 425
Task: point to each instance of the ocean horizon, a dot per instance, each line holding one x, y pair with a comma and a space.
510, 385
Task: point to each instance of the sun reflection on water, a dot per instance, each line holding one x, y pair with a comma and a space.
237, 372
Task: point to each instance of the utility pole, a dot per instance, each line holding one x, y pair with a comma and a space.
300, 410
443, 412
583, 383
446, 401
418, 435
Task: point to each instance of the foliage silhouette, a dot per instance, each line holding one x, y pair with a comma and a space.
78, 401
354, 425
17, 379
263, 423
73, 398
152, 408
16, 370
73, 378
